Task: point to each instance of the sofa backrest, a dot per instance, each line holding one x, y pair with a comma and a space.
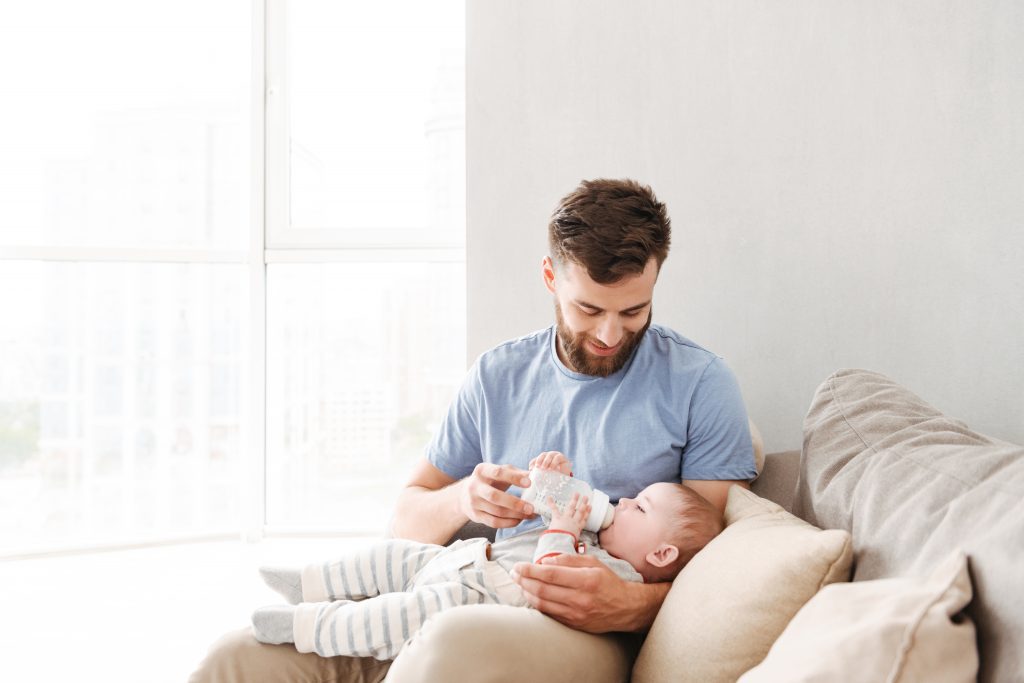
911, 484
777, 481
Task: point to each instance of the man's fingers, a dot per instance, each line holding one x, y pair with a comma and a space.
497, 522
508, 507
503, 474
549, 573
497, 502
562, 570
568, 560
489, 505
538, 591
483, 498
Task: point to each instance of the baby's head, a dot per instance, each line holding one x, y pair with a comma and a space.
661, 529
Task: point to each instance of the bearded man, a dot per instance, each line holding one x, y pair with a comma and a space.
628, 401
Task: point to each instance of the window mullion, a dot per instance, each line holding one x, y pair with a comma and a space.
275, 124
254, 454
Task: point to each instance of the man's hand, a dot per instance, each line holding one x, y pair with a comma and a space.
482, 496
583, 593
552, 460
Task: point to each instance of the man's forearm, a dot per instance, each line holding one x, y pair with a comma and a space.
647, 599
428, 515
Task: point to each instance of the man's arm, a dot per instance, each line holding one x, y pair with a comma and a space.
433, 505
427, 508
583, 593
716, 492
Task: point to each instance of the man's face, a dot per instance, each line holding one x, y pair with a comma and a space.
598, 325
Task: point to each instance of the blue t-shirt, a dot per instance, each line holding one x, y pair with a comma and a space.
673, 412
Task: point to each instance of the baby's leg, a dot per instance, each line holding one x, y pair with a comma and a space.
384, 567
377, 627
274, 624
285, 580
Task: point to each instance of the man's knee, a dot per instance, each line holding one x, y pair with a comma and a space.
237, 657
492, 643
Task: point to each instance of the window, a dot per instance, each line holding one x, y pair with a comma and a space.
365, 224
126, 124
374, 102
231, 264
357, 380
119, 401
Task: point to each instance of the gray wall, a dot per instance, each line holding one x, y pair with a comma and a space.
845, 181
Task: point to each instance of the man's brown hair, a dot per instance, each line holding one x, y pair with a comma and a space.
611, 228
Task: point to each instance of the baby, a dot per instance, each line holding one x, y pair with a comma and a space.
371, 602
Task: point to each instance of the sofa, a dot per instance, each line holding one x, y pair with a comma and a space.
912, 525
889, 548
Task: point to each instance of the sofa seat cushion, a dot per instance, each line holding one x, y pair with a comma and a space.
734, 598
910, 483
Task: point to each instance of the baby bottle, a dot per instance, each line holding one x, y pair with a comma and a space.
561, 487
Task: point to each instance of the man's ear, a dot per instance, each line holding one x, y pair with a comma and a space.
548, 272
664, 555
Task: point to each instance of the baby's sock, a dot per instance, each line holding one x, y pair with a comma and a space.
274, 624
287, 582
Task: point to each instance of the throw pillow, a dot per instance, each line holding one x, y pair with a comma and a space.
910, 483
898, 630
734, 598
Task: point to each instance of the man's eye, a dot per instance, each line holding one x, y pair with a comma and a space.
587, 311
631, 314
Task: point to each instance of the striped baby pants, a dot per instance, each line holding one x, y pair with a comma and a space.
372, 602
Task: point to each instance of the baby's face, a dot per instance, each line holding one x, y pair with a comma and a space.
640, 524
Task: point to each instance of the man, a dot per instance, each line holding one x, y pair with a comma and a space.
631, 403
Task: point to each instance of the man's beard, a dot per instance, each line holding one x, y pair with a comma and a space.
582, 361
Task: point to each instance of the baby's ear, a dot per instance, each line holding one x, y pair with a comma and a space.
664, 555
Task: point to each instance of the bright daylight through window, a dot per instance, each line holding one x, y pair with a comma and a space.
133, 153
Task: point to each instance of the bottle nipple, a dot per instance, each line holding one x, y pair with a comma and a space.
609, 515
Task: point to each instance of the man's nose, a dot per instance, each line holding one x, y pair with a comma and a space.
609, 332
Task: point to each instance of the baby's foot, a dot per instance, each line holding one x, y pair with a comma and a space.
274, 624
287, 582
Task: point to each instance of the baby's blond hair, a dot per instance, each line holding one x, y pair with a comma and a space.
693, 524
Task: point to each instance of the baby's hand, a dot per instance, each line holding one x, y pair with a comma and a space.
552, 460
573, 517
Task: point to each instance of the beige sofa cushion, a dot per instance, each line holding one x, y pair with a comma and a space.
728, 605
911, 483
892, 630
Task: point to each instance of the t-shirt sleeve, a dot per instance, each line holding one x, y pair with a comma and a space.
718, 445
455, 448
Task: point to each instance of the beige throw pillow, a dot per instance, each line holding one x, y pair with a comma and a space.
889, 630
736, 596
